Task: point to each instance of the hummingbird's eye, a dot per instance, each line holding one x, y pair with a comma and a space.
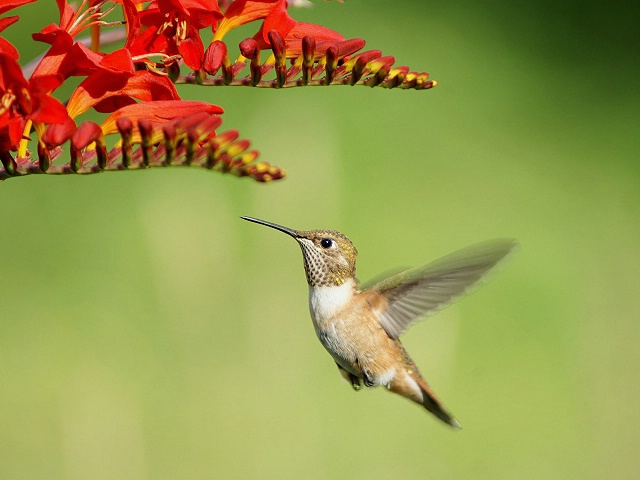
326, 243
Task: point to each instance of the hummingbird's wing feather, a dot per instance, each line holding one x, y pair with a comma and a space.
420, 292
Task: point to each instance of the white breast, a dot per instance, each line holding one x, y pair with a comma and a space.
326, 302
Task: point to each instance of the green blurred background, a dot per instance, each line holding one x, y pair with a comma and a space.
146, 332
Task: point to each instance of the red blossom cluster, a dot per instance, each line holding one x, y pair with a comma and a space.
134, 86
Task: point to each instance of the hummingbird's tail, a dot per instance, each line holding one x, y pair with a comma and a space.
410, 384
435, 406
415, 388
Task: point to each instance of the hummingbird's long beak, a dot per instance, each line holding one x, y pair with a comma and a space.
286, 230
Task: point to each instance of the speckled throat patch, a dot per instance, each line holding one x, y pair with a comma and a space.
316, 267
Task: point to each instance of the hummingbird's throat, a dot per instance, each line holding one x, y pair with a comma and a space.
319, 272
319, 278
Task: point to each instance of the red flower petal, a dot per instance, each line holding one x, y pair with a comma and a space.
214, 56
10, 4
47, 109
11, 133
88, 132
241, 12
57, 134
10, 73
132, 18
44, 83
111, 91
158, 113
149, 41
8, 49
80, 61
61, 43
66, 14
192, 50
278, 19
118, 61
6, 21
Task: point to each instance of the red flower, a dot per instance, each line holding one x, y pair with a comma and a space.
144, 106
23, 101
115, 84
67, 58
173, 29
241, 12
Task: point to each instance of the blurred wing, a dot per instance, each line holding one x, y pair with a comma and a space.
423, 291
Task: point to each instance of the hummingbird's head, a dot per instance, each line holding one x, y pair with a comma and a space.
329, 256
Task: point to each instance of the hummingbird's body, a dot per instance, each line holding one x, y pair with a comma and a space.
347, 323
361, 328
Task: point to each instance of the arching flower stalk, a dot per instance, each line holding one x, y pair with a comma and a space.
337, 64
134, 85
187, 141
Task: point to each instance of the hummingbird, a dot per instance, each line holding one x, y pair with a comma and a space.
361, 326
